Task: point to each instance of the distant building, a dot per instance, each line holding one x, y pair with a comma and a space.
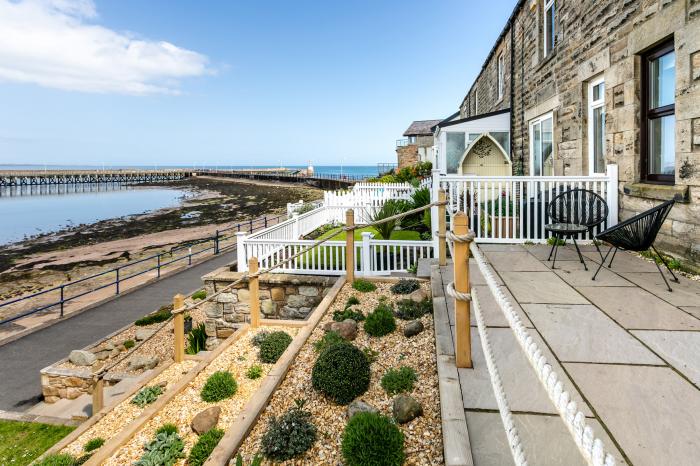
417, 145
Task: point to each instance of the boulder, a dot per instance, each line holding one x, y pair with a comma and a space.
143, 333
417, 296
346, 329
82, 358
359, 406
406, 408
206, 420
143, 362
102, 355
412, 328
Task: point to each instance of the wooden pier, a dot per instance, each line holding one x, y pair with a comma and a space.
52, 177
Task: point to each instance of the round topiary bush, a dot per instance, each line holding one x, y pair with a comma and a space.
219, 386
381, 321
370, 438
272, 347
341, 373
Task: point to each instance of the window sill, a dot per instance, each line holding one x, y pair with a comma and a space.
662, 192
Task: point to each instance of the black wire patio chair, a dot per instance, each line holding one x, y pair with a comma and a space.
574, 212
637, 234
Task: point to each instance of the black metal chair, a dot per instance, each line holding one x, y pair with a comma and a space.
637, 234
574, 212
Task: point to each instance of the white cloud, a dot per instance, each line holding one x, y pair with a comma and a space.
53, 43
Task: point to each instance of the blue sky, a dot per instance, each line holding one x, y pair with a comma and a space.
231, 82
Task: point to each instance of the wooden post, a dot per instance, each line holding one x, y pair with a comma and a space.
98, 400
442, 253
463, 349
350, 246
254, 291
178, 303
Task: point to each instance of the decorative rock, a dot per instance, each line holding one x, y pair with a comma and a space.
346, 329
206, 420
114, 352
81, 358
143, 362
109, 346
308, 291
102, 355
359, 406
414, 327
267, 307
143, 333
406, 408
417, 296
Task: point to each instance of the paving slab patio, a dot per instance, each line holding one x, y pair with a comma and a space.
516, 261
540, 288
692, 310
681, 349
685, 293
574, 274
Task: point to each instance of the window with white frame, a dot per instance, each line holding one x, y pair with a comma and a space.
500, 76
596, 126
549, 29
541, 147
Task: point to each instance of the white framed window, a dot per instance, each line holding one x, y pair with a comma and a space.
548, 31
541, 145
596, 126
500, 76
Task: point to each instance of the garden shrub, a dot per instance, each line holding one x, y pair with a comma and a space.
259, 337
254, 372
58, 460
196, 340
167, 428
197, 295
147, 395
219, 386
161, 315
390, 208
363, 286
352, 301
408, 309
399, 380
341, 372
128, 344
83, 459
326, 341
205, 445
164, 450
290, 435
381, 321
273, 346
370, 438
347, 313
93, 444
405, 286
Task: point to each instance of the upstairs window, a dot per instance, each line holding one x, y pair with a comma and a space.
500, 76
659, 114
548, 30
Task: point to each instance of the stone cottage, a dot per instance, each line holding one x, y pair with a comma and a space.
573, 85
417, 145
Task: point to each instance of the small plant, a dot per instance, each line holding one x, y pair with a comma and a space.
254, 372
342, 373
381, 321
147, 395
164, 450
389, 209
405, 286
219, 386
196, 340
205, 445
256, 461
370, 354
399, 380
370, 438
290, 435
273, 346
326, 341
560, 241
352, 301
413, 268
348, 313
161, 315
93, 444
673, 263
199, 295
259, 337
408, 309
426, 235
167, 428
57, 460
128, 344
363, 286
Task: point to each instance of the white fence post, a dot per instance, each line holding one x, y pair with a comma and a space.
295, 226
612, 194
366, 265
242, 262
434, 221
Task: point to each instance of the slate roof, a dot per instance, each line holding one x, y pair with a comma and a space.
421, 128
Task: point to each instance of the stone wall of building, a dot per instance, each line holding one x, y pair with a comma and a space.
407, 156
606, 38
282, 296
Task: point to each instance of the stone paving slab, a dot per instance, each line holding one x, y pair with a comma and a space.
574, 274
685, 293
680, 349
515, 261
525, 393
545, 439
653, 413
501, 247
584, 334
635, 308
541, 287
693, 310
493, 316
624, 262
564, 253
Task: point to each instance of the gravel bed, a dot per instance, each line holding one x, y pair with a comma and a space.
423, 435
240, 356
125, 412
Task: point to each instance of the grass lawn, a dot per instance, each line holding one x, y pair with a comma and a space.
337, 234
22, 442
